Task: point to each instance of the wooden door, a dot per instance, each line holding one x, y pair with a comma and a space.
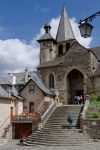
31, 107
22, 129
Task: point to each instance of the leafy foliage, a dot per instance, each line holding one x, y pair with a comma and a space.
94, 107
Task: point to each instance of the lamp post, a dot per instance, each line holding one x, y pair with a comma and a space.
85, 27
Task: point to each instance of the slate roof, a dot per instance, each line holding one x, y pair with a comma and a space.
56, 62
20, 77
15, 93
96, 51
65, 31
39, 83
3, 93
97, 72
45, 37
2, 82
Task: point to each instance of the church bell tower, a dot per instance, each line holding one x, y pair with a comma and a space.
47, 45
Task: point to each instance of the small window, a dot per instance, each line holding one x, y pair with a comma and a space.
67, 46
51, 81
31, 89
50, 49
31, 107
60, 49
44, 44
93, 68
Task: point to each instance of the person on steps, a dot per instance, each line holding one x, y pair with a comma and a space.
70, 119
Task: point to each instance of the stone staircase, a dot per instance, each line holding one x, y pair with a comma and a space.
56, 131
3, 132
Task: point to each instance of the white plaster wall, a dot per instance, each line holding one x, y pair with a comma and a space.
5, 105
20, 107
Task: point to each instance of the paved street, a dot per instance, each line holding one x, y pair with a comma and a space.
14, 145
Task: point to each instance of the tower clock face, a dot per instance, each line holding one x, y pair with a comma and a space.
49, 44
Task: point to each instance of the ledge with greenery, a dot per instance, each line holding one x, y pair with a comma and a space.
94, 107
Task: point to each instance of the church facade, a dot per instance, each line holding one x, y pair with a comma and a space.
66, 67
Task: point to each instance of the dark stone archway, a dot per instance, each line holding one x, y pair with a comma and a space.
75, 85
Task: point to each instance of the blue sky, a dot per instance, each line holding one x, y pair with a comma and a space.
21, 23
23, 18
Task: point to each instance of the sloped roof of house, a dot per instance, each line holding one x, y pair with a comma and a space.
45, 37
97, 72
15, 93
20, 77
3, 93
96, 51
39, 83
2, 82
56, 62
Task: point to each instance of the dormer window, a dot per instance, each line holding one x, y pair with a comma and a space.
31, 88
67, 46
60, 49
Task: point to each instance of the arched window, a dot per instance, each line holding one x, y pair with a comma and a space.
51, 81
60, 49
67, 46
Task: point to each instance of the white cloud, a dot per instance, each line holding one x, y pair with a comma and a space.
15, 54
54, 24
83, 41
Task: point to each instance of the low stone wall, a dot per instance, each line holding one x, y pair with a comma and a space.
92, 127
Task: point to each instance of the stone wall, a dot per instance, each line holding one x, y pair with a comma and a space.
97, 85
47, 51
77, 57
37, 97
92, 127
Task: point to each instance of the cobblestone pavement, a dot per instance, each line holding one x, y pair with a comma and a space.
14, 145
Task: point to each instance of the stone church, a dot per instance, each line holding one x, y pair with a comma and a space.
66, 67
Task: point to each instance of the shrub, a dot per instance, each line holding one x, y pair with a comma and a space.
94, 107
94, 97
91, 114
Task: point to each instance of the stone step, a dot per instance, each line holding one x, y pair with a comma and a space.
55, 143
3, 141
75, 137
56, 132
52, 144
48, 140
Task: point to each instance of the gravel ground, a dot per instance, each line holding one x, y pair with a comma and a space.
14, 145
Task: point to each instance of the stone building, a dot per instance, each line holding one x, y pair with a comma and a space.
66, 67
36, 95
11, 103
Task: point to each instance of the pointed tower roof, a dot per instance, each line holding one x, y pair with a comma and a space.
65, 31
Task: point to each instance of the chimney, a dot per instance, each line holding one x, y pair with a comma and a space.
14, 79
26, 75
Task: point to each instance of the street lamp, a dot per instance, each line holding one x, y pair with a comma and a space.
85, 27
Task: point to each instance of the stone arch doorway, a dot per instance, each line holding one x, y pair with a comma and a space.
75, 85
